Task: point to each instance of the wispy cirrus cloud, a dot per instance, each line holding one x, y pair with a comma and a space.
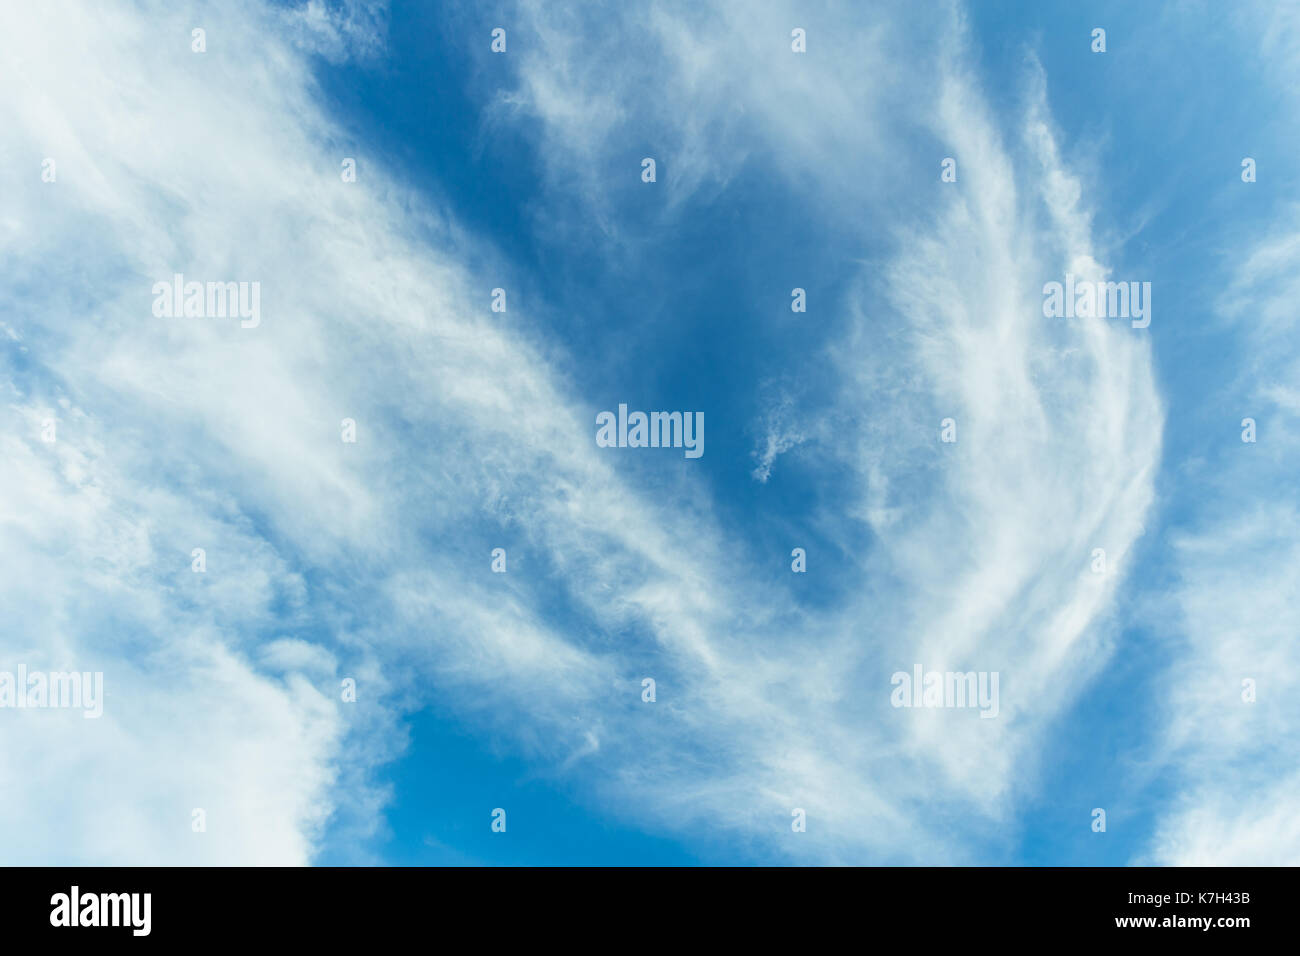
324, 559
1228, 709
371, 560
969, 555
1228, 736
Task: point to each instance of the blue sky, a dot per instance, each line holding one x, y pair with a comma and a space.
370, 561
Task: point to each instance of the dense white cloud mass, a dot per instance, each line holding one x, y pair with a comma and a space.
163, 161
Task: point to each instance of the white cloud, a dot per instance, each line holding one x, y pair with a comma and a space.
373, 557
182, 433
1231, 612
973, 556
1236, 601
